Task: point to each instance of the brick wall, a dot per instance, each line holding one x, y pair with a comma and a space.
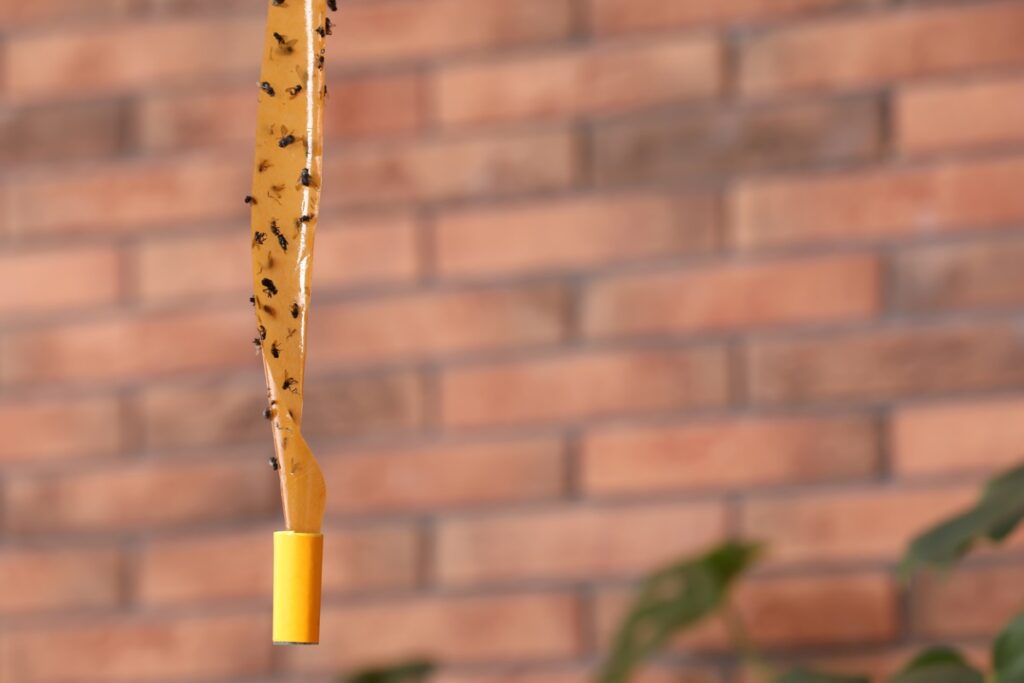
599, 282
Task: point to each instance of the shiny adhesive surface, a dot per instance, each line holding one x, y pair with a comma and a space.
285, 203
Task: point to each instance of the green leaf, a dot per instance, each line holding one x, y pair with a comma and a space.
807, 676
994, 517
408, 672
938, 665
1008, 653
672, 599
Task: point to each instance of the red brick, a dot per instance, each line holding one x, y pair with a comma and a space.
360, 405
88, 427
887, 363
877, 204
745, 453
957, 437
444, 476
425, 325
143, 649
147, 192
572, 543
976, 601
123, 349
350, 252
955, 115
38, 11
575, 233
851, 526
374, 105
52, 280
358, 107
959, 276
68, 579
581, 386
786, 613
687, 147
118, 57
124, 497
448, 169
733, 296
591, 80
619, 16
410, 29
182, 571
87, 130
519, 627
857, 52
200, 7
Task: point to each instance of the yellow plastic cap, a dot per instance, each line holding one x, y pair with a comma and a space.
298, 562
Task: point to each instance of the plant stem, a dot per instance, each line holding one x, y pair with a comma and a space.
740, 636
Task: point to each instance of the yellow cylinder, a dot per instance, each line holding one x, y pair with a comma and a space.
298, 562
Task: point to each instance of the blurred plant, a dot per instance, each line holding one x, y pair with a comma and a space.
408, 672
682, 594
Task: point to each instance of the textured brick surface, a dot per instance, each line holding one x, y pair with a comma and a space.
591, 385
573, 234
597, 283
678, 147
598, 81
726, 455
571, 544
855, 52
942, 116
755, 295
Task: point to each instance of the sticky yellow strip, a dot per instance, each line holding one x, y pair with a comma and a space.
298, 563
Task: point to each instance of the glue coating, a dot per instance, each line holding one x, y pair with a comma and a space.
285, 205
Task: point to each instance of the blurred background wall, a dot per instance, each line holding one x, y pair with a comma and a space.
598, 283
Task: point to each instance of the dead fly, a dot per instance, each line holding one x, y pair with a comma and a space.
305, 219
274, 351
283, 44
295, 90
305, 178
257, 343
278, 3
269, 310
289, 384
320, 59
274, 463
286, 140
295, 310
258, 238
263, 333
322, 31
327, 26
252, 300
269, 288
249, 199
263, 166
280, 238
333, 4
267, 88
268, 413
